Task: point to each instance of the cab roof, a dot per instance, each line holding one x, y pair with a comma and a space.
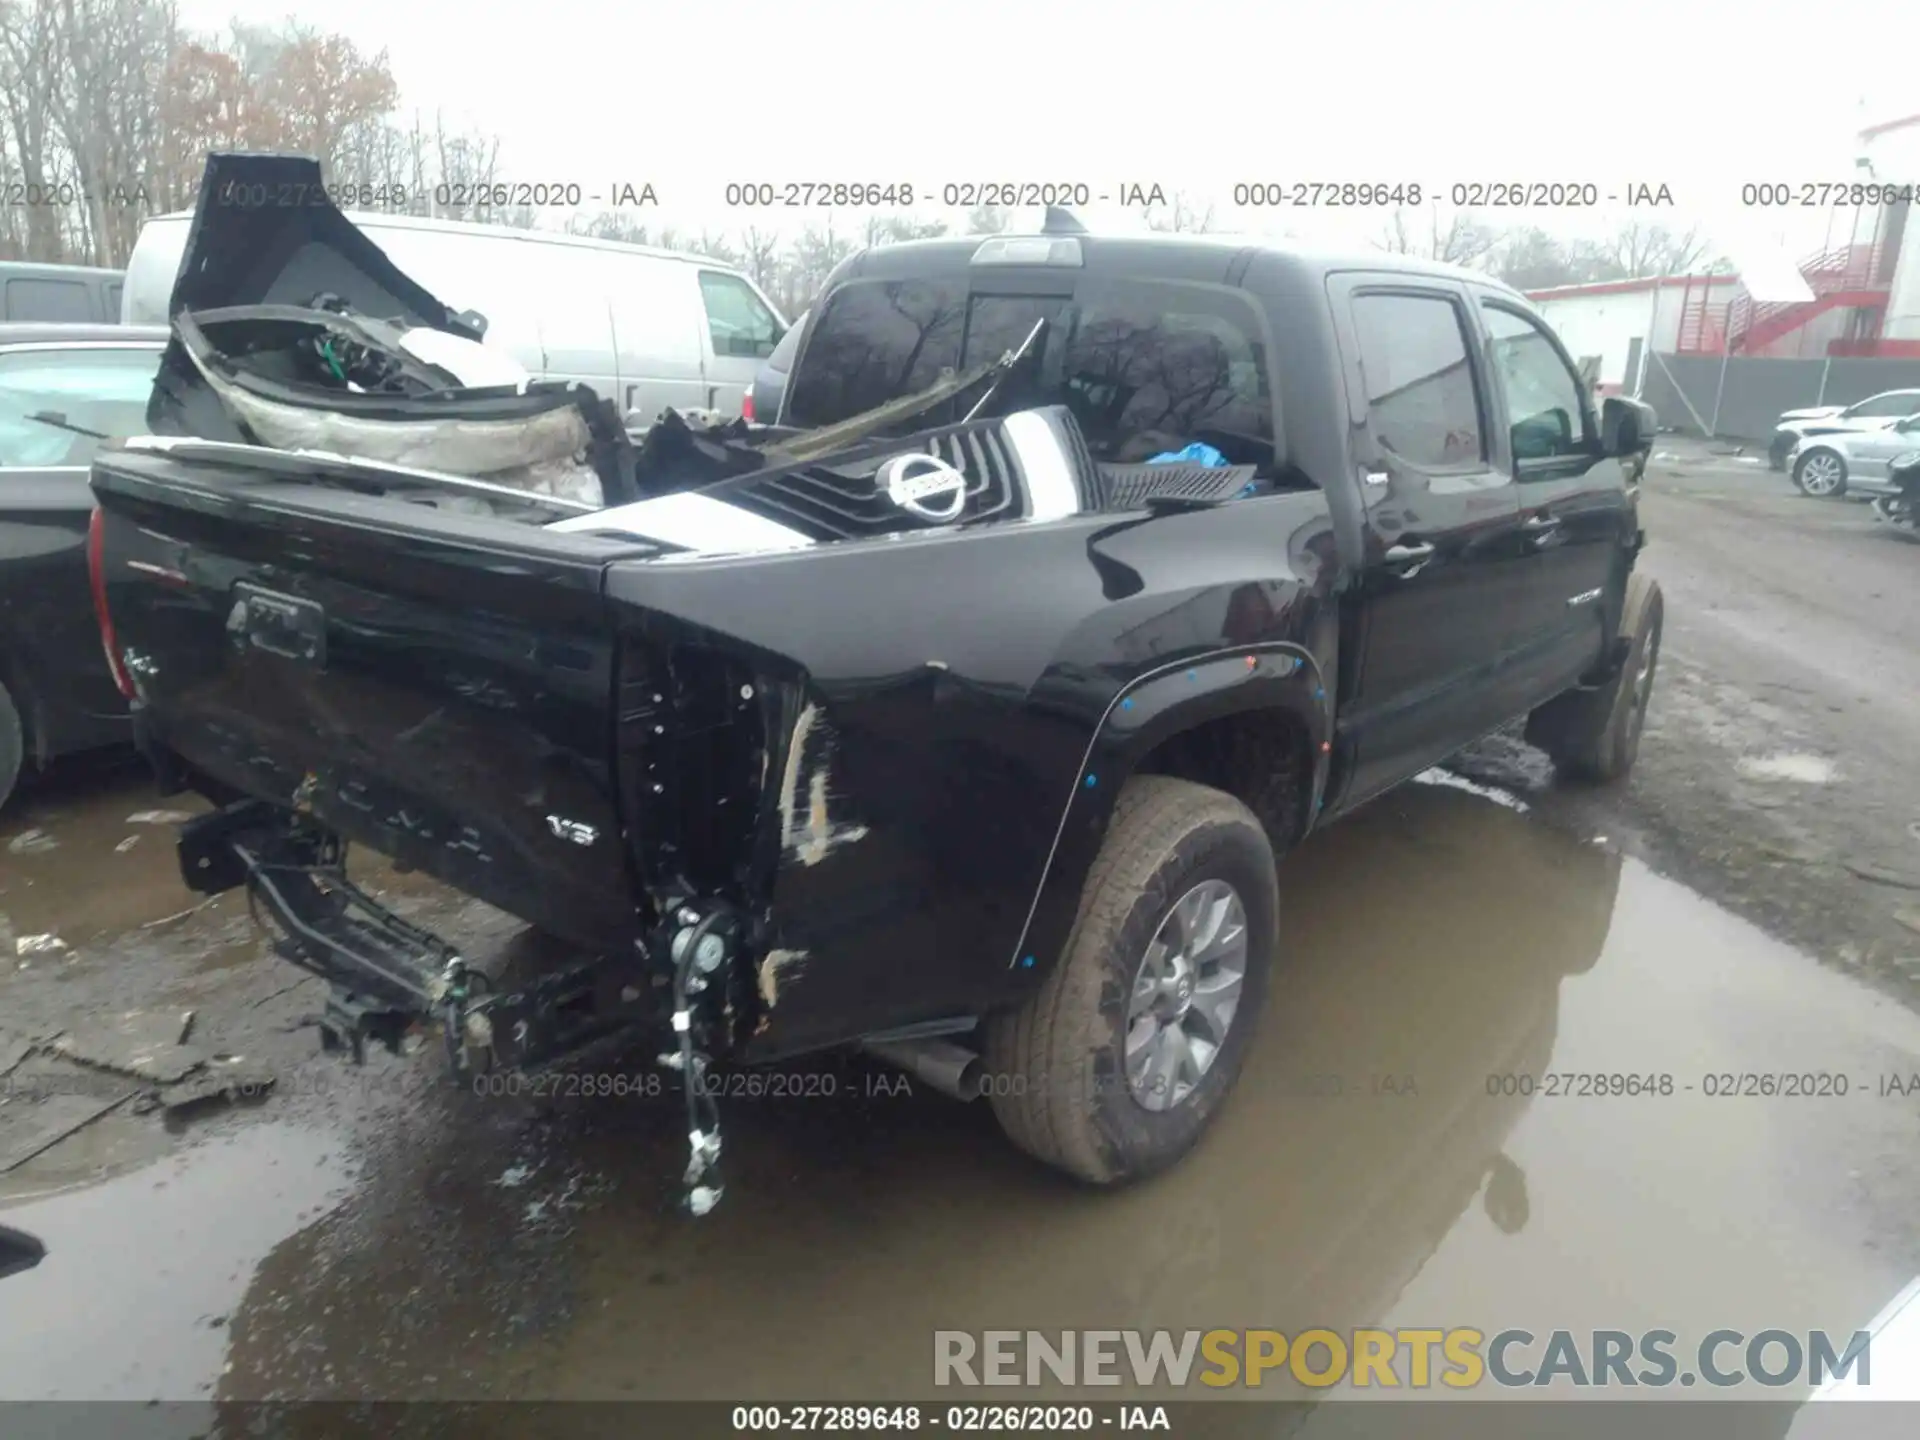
1205, 258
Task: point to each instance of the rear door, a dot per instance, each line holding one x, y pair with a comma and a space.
1442, 569
741, 332
49, 645
1574, 509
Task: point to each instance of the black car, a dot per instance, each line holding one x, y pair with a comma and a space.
768, 393
61, 388
963, 724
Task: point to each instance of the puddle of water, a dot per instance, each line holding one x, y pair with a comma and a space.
1375, 1166
77, 878
1806, 769
1363, 1173
143, 1272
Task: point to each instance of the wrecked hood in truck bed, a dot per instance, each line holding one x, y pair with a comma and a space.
292, 329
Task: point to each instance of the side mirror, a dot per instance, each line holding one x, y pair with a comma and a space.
474, 321
1912, 422
1620, 428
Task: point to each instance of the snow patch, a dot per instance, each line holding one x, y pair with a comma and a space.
1802, 768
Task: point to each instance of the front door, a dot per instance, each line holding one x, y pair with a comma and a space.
1441, 531
742, 330
1870, 454
1574, 510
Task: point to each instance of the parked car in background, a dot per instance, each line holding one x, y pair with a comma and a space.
1831, 465
1868, 414
646, 328
57, 383
59, 294
769, 389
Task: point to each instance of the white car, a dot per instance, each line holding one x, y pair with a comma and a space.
1829, 465
1893, 1355
1872, 413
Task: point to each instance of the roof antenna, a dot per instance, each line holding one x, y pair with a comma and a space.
1060, 221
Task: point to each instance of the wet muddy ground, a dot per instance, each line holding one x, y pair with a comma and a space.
1747, 904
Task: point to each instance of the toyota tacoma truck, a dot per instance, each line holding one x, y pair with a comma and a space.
963, 719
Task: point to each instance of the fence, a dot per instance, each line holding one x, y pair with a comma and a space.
1741, 397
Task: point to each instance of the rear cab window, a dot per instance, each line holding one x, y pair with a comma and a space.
1145, 366
51, 301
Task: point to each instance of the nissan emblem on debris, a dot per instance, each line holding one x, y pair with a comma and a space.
924, 485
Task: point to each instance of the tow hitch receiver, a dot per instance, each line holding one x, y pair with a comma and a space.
388, 977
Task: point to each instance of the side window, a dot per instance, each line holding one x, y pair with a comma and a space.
1543, 395
1152, 367
48, 397
741, 324
874, 342
1898, 405
1421, 402
52, 301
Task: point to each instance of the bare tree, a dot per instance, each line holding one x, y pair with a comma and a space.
986, 220
1458, 239
760, 256
1181, 215
1636, 250
111, 111
1532, 259
30, 92
621, 225
892, 229
810, 260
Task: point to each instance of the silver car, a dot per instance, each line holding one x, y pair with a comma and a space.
1833, 464
1872, 413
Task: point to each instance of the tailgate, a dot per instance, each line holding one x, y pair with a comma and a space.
435, 685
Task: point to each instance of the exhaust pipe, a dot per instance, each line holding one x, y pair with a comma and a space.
951, 1069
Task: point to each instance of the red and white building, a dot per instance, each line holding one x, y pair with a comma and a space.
1865, 285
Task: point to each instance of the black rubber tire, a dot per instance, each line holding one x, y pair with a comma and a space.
1054, 1069
13, 744
1594, 735
1834, 494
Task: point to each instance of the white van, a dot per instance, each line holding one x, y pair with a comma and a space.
646, 328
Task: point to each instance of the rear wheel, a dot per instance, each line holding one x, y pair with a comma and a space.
13, 744
1118, 1062
1594, 735
1821, 473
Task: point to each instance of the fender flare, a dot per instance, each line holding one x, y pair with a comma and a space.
1151, 708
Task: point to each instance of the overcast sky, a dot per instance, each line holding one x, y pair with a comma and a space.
1190, 94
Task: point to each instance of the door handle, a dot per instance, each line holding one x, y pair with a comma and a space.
1408, 559
1540, 524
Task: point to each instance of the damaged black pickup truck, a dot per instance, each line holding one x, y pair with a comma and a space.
962, 720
